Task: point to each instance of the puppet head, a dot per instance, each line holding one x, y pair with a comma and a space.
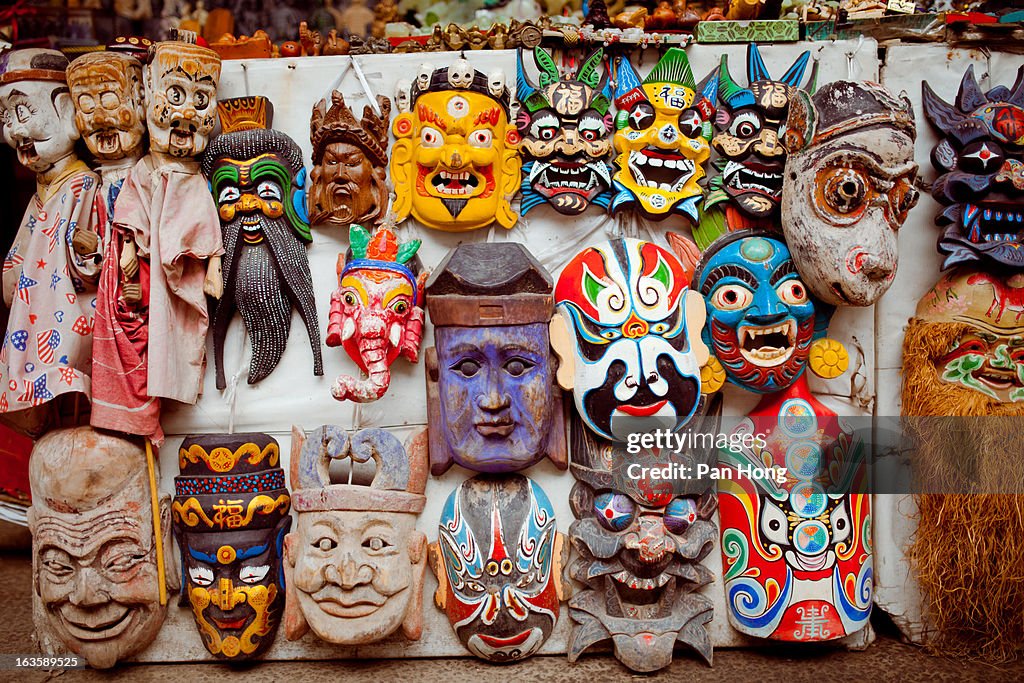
355, 562
629, 338
350, 158
492, 403
498, 561
110, 112
662, 131
455, 163
230, 517
980, 160
95, 575
849, 185
181, 97
377, 310
750, 123
565, 126
38, 115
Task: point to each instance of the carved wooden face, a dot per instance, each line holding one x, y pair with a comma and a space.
498, 570
106, 89
346, 187
38, 122
181, 98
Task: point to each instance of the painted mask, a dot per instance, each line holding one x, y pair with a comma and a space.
110, 112
980, 161
350, 158
498, 560
629, 338
640, 546
849, 184
662, 131
377, 310
258, 183
38, 115
355, 562
95, 575
749, 124
455, 163
565, 128
181, 97
230, 518
492, 402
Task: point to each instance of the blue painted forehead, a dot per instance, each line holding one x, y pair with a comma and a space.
760, 255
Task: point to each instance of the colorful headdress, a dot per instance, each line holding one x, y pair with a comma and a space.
383, 251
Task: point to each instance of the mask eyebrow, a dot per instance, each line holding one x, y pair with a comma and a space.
864, 157
787, 268
724, 271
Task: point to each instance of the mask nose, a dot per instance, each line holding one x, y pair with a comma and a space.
650, 541
768, 145
87, 591
875, 268
668, 134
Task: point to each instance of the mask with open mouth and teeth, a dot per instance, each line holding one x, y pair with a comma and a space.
980, 159
628, 336
181, 97
662, 131
565, 128
110, 112
455, 163
498, 560
750, 122
354, 565
230, 517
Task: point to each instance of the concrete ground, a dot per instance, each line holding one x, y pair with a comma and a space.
887, 660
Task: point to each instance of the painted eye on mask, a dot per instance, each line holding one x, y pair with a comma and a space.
517, 366
201, 576
680, 514
591, 128
325, 544
467, 367
176, 95
544, 127
400, 307
792, 292
268, 190
376, 544
982, 157
745, 125
350, 298
641, 116
431, 137
254, 574
202, 100
690, 123
845, 190
614, 511
228, 194
731, 298
480, 138
773, 524
840, 522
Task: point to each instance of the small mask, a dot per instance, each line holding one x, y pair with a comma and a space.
629, 338
230, 518
181, 97
849, 184
663, 127
95, 575
980, 161
565, 128
492, 402
349, 179
455, 163
110, 112
498, 561
355, 562
258, 183
377, 310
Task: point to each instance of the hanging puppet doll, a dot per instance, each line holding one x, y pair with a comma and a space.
258, 182
50, 272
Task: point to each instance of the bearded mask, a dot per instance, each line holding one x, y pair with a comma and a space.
662, 132
355, 562
640, 546
498, 561
454, 164
258, 182
849, 185
349, 179
980, 161
110, 112
181, 97
230, 517
95, 573
377, 310
629, 338
750, 123
565, 128
492, 402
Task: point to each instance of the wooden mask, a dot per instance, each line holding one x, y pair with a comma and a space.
230, 518
181, 97
110, 111
455, 164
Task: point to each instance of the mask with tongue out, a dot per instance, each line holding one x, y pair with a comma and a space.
980, 159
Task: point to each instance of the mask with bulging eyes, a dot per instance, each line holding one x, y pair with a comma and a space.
181, 98
106, 88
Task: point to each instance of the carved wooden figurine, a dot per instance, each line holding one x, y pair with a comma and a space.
498, 561
354, 566
492, 401
50, 272
95, 569
230, 517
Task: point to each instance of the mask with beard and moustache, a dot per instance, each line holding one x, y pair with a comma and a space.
963, 357
257, 179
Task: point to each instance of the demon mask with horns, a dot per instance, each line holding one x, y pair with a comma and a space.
565, 126
981, 162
